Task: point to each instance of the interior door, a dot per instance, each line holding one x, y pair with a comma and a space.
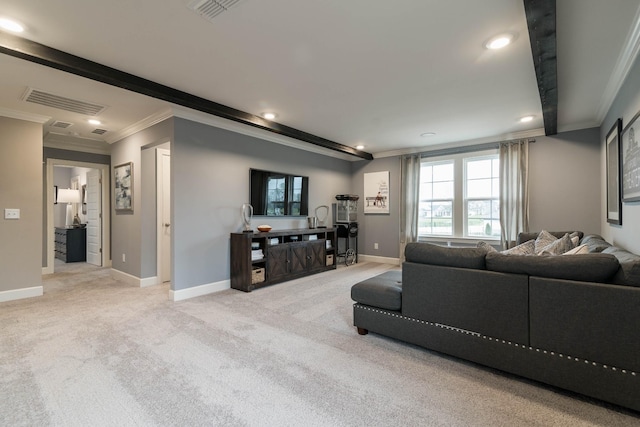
163, 158
94, 217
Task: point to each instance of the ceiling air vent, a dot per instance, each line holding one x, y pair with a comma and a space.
61, 125
99, 131
209, 9
62, 103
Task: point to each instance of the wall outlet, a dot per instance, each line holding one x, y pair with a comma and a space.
12, 214
124, 258
375, 246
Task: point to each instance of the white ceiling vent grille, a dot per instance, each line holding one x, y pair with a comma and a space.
62, 103
99, 131
209, 9
61, 125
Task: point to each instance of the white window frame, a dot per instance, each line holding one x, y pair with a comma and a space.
466, 199
459, 210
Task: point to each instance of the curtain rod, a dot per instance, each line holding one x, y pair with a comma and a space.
469, 148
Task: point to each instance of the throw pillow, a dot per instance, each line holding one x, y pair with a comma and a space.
486, 246
578, 250
543, 240
558, 247
526, 248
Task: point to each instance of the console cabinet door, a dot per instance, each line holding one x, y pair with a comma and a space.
277, 262
299, 258
316, 251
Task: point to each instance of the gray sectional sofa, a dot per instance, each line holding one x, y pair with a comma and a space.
569, 321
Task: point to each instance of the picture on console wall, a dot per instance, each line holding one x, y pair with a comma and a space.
631, 161
614, 201
376, 192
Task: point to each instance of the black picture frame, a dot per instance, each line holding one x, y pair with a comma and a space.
614, 175
630, 154
55, 194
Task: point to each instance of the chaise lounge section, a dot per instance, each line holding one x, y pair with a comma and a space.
568, 321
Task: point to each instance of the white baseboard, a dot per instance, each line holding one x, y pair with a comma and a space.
14, 294
198, 291
149, 281
378, 259
47, 270
126, 277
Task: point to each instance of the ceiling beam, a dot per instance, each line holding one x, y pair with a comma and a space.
35, 52
541, 21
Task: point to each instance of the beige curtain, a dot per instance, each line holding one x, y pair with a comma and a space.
514, 190
409, 200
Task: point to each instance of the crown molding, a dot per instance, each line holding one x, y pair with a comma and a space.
141, 125
21, 115
627, 58
72, 143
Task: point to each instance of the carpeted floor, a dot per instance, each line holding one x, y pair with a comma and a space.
94, 351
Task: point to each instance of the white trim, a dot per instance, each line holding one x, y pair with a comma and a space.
67, 142
21, 115
378, 259
14, 294
197, 291
47, 270
126, 278
149, 281
621, 70
141, 125
159, 152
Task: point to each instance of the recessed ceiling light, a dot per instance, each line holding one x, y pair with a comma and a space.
94, 122
359, 147
10, 25
427, 134
500, 41
269, 116
526, 119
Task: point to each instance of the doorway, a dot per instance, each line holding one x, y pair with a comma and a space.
163, 204
92, 181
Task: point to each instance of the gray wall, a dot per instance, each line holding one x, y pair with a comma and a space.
21, 188
210, 182
625, 106
130, 231
564, 185
381, 229
564, 177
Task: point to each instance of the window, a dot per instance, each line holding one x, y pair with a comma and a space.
459, 196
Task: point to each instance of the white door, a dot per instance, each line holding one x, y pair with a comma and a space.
163, 160
94, 217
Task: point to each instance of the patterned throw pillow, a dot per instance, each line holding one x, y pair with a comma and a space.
557, 247
486, 246
526, 248
543, 240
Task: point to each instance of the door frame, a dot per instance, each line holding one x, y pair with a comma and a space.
159, 232
105, 212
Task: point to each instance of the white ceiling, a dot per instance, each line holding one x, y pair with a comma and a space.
371, 72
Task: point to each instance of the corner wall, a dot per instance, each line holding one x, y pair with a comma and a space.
20, 188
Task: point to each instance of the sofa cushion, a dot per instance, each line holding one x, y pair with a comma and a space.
382, 291
587, 267
629, 272
557, 246
427, 253
526, 248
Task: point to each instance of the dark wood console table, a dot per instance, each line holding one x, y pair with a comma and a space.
260, 259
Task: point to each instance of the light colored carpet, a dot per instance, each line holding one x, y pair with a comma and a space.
94, 351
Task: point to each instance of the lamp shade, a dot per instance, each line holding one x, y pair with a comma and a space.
68, 196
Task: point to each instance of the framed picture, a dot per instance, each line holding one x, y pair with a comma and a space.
84, 199
55, 194
614, 199
123, 187
376, 193
630, 162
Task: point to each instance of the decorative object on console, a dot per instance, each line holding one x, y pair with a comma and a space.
312, 221
247, 214
614, 199
69, 196
264, 228
322, 212
631, 162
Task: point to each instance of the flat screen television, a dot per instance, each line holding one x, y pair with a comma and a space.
278, 194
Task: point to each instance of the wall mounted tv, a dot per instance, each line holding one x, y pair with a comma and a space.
278, 194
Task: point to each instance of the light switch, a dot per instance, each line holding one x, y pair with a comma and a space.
12, 214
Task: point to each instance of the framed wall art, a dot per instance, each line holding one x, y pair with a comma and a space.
614, 199
123, 187
376, 192
631, 161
